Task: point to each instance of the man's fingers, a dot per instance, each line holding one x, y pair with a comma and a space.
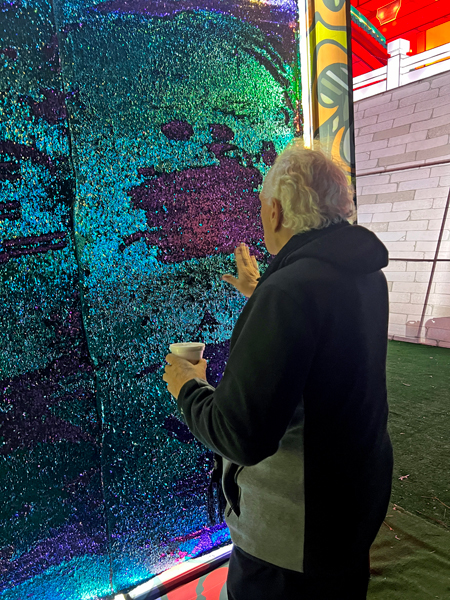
244, 259
241, 256
172, 359
247, 268
255, 263
246, 253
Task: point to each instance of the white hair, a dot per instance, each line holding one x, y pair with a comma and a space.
312, 189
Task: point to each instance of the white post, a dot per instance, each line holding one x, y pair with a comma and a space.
397, 50
306, 69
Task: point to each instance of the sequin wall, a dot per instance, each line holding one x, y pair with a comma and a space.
133, 139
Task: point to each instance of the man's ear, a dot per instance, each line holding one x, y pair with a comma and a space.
276, 214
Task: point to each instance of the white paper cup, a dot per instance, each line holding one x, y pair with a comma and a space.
191, 351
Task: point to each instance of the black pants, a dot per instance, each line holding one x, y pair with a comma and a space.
250, 578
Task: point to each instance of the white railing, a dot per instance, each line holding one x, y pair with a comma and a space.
369, 84
401, 69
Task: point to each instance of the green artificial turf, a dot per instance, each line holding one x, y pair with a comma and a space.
419, 424
410, 559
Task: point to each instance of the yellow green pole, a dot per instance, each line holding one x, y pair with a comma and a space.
327, 81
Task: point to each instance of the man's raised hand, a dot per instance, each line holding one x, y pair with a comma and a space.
248, 271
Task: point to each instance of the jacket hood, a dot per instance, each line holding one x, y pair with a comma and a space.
348, 247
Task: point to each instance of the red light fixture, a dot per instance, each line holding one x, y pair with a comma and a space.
389, 12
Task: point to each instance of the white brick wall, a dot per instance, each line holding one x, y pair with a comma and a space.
403, 181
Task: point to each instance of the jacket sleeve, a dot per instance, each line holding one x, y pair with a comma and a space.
246, 416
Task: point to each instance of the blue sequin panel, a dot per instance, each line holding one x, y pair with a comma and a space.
54, 530
136, 138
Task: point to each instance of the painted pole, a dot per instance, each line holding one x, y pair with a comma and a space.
327, 80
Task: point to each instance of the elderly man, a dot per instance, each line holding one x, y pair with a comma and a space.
300, 414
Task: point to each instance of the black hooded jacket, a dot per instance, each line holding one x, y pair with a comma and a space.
303, 404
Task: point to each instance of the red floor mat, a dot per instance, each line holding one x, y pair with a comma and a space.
209, 587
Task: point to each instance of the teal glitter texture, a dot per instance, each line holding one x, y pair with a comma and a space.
133, 140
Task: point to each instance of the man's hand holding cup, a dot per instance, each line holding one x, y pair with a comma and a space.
185, 362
